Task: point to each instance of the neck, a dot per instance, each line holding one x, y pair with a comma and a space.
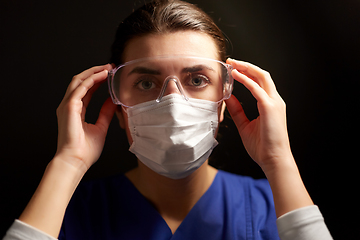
172, 198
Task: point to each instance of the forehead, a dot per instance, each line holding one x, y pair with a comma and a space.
189, 43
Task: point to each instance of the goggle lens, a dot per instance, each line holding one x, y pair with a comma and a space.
149, 79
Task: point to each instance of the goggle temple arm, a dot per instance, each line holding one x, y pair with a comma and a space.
110, 78
229, 85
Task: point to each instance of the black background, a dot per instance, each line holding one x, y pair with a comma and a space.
311, 49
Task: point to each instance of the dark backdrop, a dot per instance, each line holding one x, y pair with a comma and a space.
311, 48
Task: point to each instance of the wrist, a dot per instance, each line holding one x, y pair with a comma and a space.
276, 165
71, 165
287, 186
70, 169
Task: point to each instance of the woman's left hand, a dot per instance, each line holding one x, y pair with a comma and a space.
265, 138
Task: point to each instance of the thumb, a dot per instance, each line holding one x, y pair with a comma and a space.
237, 113
106, 113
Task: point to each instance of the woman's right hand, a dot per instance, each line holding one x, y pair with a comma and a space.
79, 146
81, 143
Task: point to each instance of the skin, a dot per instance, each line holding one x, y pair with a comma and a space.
80, 144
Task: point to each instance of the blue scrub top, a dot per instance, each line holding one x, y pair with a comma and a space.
234, 207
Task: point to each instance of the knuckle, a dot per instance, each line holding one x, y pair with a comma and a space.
73, 104
266, 74
86, 85
70, 105
75, 77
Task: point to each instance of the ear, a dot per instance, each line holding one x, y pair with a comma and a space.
222, 110
120, 116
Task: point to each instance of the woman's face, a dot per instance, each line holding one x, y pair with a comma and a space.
189, 43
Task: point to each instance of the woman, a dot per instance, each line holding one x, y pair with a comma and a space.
170, 85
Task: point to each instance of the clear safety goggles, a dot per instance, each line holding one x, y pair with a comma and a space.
149, 79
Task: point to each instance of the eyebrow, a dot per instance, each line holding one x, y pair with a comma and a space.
145, 70
197, 68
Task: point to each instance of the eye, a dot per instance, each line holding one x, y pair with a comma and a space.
199, 81
145, 84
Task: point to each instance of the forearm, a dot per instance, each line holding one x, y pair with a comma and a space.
46, 209
287, 186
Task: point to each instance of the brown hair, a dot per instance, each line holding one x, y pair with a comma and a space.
165, 16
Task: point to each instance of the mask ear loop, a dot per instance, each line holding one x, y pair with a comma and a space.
178, 84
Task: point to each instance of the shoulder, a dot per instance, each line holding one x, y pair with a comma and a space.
99, 192
256, 193
245, 183
102, 184
251, 199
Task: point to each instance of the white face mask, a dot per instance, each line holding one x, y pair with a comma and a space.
173, 137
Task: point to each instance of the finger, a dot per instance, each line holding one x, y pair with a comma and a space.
81, 96
87, 73
105, 116
83, 89
259, 75
86, 99
237, 113
78, 79
257, 91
